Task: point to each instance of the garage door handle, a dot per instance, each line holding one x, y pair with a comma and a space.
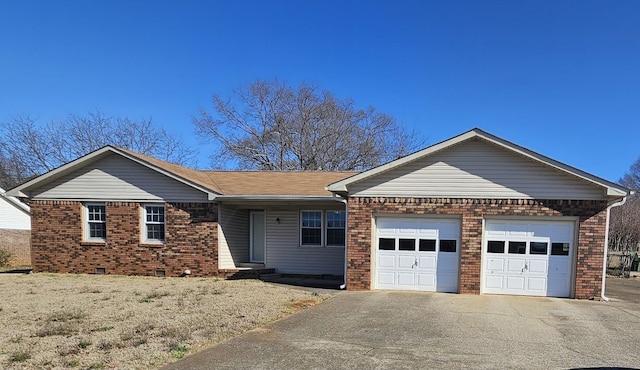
415, 264
525, 267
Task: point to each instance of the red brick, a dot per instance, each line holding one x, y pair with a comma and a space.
590, 247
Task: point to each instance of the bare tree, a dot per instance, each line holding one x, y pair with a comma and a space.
28, 149
268, 125
631, 179
624, 229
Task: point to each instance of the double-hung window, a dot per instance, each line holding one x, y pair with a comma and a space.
154, 223
96, 218
311, 228
322, 228
336, 222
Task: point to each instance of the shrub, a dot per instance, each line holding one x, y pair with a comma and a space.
5, 256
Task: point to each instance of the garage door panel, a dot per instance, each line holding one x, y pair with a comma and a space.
559, 265
515, 282
495, 282
386, 261
423, 268
537, 284
406, 278
515, 265
448, 262
427, 262
537, 266
427, 281
406, 262
447, 282
496, 264
544, 267
386, 278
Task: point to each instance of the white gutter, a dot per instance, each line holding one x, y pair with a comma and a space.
606, 244
346, 238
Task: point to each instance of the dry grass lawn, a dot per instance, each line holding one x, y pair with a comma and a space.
117, 322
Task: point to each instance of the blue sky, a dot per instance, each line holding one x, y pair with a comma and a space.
558, 77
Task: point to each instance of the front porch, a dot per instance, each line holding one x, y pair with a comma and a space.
258, 238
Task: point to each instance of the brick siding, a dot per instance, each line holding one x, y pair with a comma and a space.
17, 242
590, 247
191, 233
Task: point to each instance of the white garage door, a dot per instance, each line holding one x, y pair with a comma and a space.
528, 257
417, 254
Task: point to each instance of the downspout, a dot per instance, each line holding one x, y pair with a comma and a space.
606, 245
346, 234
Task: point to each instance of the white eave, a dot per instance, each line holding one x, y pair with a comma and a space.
611, 189
22, 190
15, 202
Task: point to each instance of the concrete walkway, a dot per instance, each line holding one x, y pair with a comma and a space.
380, 330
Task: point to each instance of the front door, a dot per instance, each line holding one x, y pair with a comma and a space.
257, 236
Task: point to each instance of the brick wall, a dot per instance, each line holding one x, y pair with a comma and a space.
190, 233
590, 246
17, 242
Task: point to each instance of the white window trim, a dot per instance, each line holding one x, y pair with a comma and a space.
145, 239
326, 228
85, 222
323, 229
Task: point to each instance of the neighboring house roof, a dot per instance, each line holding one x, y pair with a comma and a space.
14, 202
611, 189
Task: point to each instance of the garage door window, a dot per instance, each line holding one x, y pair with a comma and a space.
407, 245
559, 249
517, 247
386, 244
495, 246
447, 245
538, 248
427, 245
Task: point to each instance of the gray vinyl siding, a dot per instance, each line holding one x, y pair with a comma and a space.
285, 254
233, 237
476, 169
116, 178
11, 217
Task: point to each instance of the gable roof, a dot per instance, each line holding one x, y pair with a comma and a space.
276, 183
217, 184
612, 190
14, 202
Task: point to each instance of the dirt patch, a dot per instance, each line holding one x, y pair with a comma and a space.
85, 321
304, 303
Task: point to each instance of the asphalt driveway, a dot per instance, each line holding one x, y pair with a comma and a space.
431, 330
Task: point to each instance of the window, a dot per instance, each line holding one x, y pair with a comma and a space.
386, 244
314, 230
538, 248
96, 216
336, 224
311, 225
448, 246
559, 249
407, 245
154, 223
517, 247
427, 245
495, 246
